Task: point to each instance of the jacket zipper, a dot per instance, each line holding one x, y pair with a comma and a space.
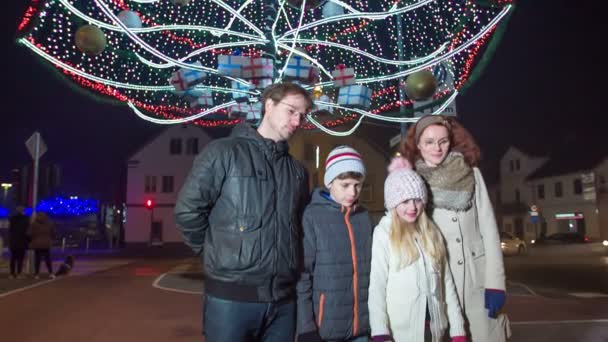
351, 235
321, 307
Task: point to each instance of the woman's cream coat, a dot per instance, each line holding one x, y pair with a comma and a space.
476, 261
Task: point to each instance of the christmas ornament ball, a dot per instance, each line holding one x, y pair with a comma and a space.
90, 40
420, 85
130, 19
317, 92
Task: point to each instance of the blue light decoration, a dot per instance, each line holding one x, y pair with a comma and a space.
64, 207
3, 212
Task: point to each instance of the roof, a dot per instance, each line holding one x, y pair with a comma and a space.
571, 157
213, 133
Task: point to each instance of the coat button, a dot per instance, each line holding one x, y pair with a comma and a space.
460, 262
473, 253
241, 228
458, 240
454, 219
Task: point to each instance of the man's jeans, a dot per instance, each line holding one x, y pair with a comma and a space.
227, 320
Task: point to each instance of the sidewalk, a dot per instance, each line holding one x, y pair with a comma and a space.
88, 262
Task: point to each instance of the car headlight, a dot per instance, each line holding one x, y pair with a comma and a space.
503, 245
605, 243
532, 241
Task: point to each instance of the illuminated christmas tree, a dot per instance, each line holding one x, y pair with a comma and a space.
207, 61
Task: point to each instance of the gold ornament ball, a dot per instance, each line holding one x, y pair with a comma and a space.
317, 92
420, 85
90, 40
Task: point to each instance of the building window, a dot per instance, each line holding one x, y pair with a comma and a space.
558, 189
150, 184
541, 191
517, 196
175, 146
578, 187
192, 146
511, 167
167, 185
366, 193
309, 152
516, 164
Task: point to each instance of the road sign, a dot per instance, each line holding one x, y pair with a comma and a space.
36, 146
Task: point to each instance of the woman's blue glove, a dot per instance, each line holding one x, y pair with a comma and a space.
495, 300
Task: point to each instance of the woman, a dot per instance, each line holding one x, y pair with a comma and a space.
445, 155
412, 297
41, 233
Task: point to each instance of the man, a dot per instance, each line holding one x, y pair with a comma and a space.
18, 240
240, 209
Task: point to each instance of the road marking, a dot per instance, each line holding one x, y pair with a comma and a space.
561, 322
526, 287
158, 286
21, 289
588, 294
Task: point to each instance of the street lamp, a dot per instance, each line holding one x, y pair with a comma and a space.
5, 187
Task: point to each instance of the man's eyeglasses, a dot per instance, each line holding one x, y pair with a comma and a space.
293, 112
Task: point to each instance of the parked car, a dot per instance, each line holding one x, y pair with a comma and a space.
511, 244
563, 238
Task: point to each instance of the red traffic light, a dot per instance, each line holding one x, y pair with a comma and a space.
149, 204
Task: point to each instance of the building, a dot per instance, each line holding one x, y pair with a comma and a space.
158, 170
540, 195
155, 174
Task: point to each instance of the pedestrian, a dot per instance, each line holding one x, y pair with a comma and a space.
446, 156
17, 241
412, 297
240, 210
337, 239
41, 233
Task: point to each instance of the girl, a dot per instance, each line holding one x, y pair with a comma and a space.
409, 278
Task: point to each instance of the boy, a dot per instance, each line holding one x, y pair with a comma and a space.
332, 290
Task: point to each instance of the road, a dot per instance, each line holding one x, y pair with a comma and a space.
143, 298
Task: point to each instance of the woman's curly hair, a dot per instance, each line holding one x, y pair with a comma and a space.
461, 141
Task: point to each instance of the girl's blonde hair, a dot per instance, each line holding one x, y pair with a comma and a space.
403, 234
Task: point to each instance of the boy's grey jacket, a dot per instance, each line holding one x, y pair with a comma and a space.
240, 208
333, 287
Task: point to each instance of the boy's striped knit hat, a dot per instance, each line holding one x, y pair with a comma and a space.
342, 159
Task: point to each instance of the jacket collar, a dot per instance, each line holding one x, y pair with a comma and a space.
246, 131
322, 197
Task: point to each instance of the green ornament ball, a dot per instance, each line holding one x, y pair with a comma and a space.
90, 40
420, 85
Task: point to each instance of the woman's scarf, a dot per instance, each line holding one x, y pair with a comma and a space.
452, 183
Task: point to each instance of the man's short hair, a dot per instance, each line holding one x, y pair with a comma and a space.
350, 175
277, 92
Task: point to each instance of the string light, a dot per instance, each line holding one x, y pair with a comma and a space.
137, 62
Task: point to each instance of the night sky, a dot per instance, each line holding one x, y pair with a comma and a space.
542, 90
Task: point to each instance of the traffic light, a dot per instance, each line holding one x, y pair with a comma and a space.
149, 204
